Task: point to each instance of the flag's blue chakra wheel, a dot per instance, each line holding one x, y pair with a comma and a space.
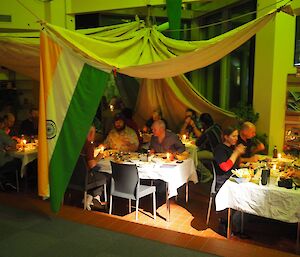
51, 129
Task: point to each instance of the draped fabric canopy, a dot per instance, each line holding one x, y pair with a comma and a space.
143, 52
73, 76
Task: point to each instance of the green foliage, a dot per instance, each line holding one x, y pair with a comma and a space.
245, 113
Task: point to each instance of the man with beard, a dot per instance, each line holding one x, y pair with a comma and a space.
121, 137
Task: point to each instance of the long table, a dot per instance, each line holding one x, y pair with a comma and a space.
174, 174
268, 201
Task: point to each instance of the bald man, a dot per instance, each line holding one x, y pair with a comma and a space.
253, 146
164, 140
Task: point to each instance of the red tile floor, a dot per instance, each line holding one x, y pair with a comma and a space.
186, 227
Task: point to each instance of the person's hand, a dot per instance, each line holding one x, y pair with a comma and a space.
240, 149
260, 147
99, 156
151, 151
145, 129
188, 121
16, 139
192, 123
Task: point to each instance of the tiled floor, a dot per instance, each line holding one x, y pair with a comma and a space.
186, 227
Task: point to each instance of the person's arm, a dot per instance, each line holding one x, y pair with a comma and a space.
133, 142
8, 142
178, 145
258, 148
196, 131
253, 158
184, 126
93, 162
228, 164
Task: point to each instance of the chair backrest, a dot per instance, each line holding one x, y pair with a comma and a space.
214, 182
214, 136
79, 177
125, 178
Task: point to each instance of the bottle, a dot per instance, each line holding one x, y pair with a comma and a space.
275, 153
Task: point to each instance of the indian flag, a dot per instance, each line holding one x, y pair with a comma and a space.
70, 92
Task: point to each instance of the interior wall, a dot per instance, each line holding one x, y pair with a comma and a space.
273, 61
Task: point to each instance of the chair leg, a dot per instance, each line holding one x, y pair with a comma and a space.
129, 205
105, 192
137, 209
187, 191
209, 210
110, 204
154, 205
84, 200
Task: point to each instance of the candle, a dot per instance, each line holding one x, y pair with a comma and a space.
274, 167
111, 107
24, 141
184, 137
168, 156
279, 155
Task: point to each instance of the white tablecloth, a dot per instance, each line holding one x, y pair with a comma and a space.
26, 157
268, 201
173, 173
193, 150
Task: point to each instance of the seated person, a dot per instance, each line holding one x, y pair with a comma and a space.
190, 125
127, 113
227, 155
209, 139
8, 164
206, 121
156, 115
94, 175
122, 137
8, 123
29, 127
253, 145
163, 140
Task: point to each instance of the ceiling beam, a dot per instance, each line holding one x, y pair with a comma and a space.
201, 8
90, 6
143, 12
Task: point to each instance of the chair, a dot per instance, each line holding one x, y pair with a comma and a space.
7, 169
213, 190
214, 136
79, 180
125, 183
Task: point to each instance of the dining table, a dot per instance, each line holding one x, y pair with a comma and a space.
173, 173
26, 154
252, 197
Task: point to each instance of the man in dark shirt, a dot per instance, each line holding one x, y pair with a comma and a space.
29, 127
191, 125
164, 140
247, 138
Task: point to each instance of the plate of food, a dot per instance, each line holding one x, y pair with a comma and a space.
241, 175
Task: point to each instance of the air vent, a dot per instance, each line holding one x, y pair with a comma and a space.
5, 18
